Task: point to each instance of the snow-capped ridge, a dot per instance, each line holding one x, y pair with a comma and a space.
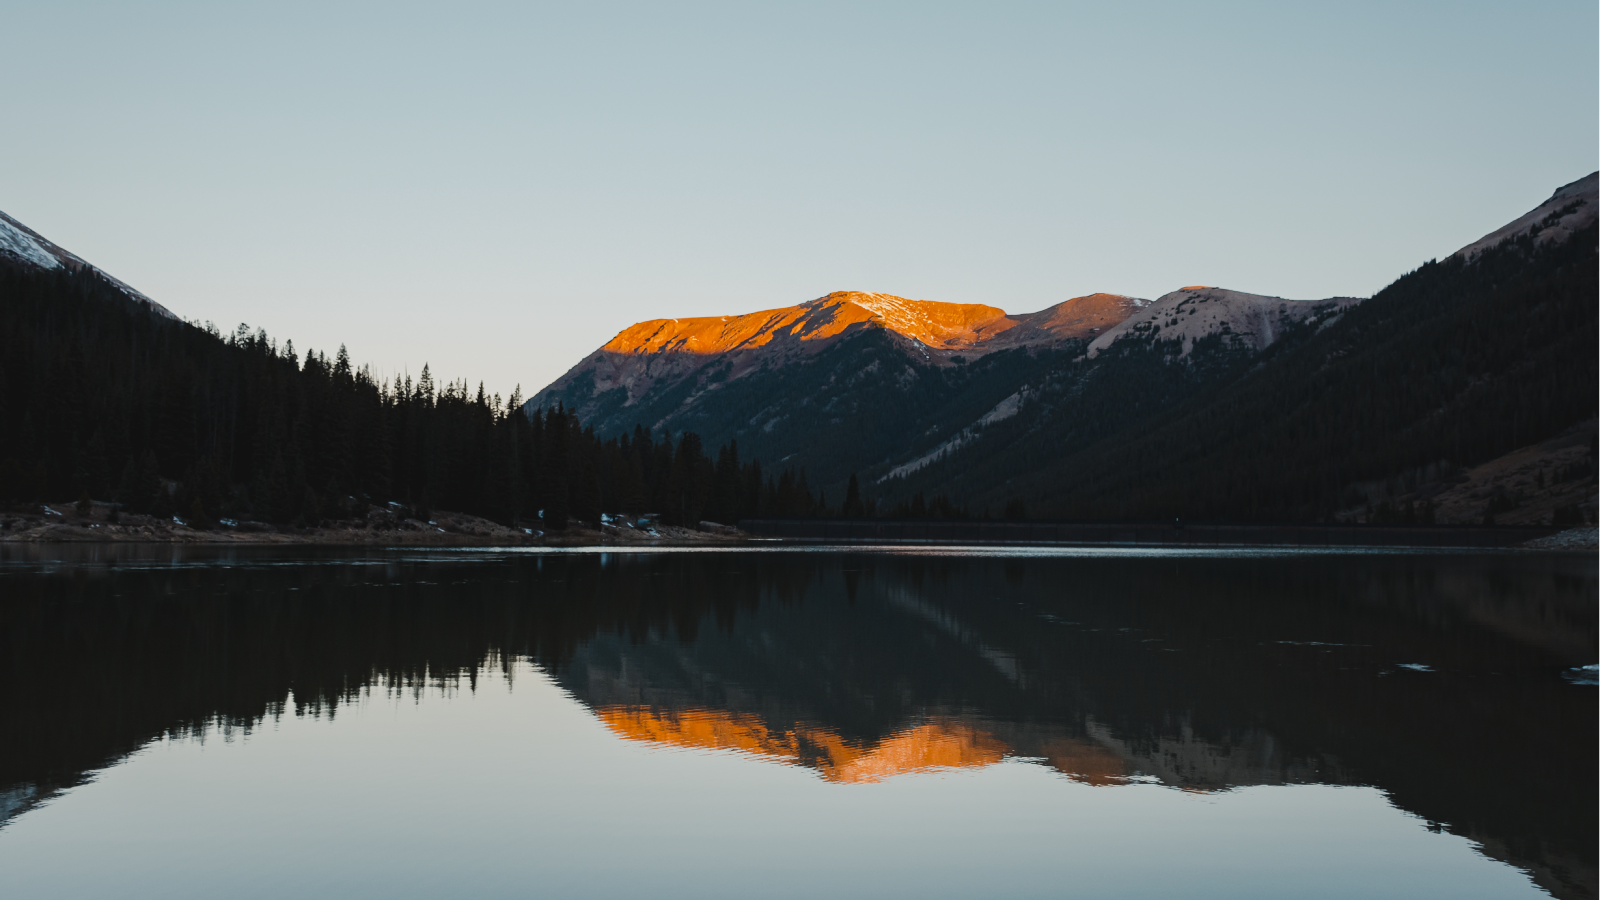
19, 243
1191, 313
663, 350
22, 244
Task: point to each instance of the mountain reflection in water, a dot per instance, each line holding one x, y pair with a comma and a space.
1437, 679
942, 743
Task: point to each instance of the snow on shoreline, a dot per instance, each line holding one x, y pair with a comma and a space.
1587, 538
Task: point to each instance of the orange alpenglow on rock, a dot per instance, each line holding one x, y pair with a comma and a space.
939, 744
933, 324
945, 326
666, 349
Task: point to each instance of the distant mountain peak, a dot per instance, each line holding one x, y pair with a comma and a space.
21, 244
928, 322
19, 241
660, 351
1571, 208
1191, 313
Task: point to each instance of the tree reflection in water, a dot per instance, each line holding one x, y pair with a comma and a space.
1202, 673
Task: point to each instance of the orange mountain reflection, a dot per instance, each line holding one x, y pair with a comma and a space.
938, 743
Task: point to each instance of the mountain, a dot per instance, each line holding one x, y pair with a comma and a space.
829, 384
23, 247
1372, 413
853, 380
109, 399
1245, 320
655, 356
992, 408
1569, 210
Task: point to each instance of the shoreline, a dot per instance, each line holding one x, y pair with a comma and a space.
1156, 534
62, 524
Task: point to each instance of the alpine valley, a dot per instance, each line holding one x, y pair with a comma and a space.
1464, 390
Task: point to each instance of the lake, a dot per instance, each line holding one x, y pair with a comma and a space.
892, 722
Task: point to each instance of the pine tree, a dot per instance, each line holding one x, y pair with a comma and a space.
853, 508
146, 488
10, 483
553, 487
584, 478
728, 488
95, 466
751, 491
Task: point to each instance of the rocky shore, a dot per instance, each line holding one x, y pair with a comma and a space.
381, 526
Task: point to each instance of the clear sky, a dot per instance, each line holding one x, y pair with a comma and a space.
498, 189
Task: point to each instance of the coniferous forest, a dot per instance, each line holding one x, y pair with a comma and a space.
1360, 414
1450, 366
104, 398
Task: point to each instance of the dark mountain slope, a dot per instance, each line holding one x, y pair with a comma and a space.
991, 409
851, 405
875, 401
1453, 364
841, 384
654, 370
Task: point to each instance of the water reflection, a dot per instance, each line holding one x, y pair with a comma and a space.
1439, 679
944, 743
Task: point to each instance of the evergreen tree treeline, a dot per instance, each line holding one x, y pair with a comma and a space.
1452, 365
102, 396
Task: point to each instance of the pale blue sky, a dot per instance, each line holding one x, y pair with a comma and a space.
500, 188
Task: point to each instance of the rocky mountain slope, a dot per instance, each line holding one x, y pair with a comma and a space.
1245, 321
990, 407
656, 355
24, 247
1569, 210
874, 383
1371, 412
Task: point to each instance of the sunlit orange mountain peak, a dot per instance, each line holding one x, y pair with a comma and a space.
650, 353
925, 321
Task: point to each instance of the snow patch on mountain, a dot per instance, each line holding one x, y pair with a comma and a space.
23, 243
16, 242
1245, 320
897, 313
1003, 410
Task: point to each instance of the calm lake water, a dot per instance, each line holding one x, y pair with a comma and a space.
795, 723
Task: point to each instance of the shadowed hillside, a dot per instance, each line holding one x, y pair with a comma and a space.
1206, 403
